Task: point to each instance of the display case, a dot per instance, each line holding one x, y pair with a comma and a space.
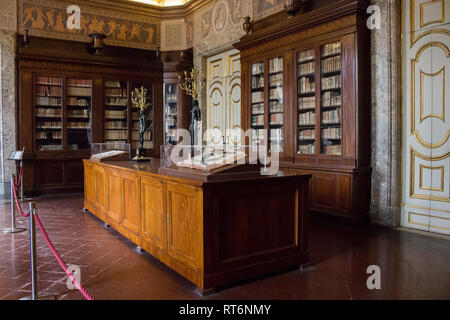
113, 151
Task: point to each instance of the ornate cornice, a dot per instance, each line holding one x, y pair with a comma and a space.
298, 26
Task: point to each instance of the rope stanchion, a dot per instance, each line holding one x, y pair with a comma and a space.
13, 228
34, 286
35, 218
63, 265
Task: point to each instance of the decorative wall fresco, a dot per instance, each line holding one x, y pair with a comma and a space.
263, 8
48, 19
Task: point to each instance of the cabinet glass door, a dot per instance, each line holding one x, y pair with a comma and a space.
330, 123
276, 104
257, 103
48, 113
170, 113
306, 102
116, 111
79, 113
149, 123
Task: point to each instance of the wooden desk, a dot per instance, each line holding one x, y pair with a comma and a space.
213, 233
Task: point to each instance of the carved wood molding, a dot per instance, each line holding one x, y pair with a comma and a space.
301, 35
138, 71
338, 14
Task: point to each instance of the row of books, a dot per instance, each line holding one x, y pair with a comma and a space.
115, 125
276, 134
276, 147
258, 82
116, 92
257, 97
48, 112
116, 135
78, 125
276, 106
116, 114
276, 119
276, 94
276, 80
258, 136
306, 68
258, 68
54, 135
307, 134
306, 103
331, 48
171, 98
306, 55
147, 144
147, 135
306, 149
332, 64
171, 121
332, 150
46, 91
79, 91
51, 147
53, 81
306, 85
48, 101
83, 113
331, 99
307, 118
77, 102
332, 116
258, 108
258, 120
116, 102
48, 124
276, 65
333, 82
112, 84
79, 83
331, 133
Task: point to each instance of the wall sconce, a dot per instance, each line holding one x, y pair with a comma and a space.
26, 41
97, 42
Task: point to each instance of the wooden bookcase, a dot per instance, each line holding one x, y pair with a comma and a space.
318, 111
177, 104
69, 99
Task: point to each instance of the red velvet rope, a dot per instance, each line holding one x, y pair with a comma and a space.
60, 261
52, 248
18, 182
25, 215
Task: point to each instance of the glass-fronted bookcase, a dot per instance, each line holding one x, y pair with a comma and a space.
307, 88
62, 125
319, 100
267, 103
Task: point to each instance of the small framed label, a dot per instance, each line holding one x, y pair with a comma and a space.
16, 155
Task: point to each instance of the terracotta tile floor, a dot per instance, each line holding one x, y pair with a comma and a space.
413, 266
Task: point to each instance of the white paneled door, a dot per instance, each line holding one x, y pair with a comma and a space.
224, 98
426, 109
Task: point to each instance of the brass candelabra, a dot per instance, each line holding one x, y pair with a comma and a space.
139, 99
192, 83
